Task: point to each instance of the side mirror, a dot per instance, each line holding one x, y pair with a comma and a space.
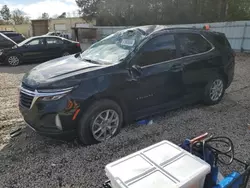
137, 69
25, 46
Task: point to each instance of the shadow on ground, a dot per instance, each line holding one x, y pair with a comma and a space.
17, 70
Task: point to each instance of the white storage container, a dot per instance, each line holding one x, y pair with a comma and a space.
163, 165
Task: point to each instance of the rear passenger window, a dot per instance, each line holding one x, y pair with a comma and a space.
191, 44
53, 41
222, 40
159, 49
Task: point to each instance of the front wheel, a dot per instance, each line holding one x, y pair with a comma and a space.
214, 91
13, 60
101, 121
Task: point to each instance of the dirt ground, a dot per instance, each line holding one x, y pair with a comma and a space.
30, 160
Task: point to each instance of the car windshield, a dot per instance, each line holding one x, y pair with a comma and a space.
114, 48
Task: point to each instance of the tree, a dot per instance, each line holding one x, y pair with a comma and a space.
143, 12
89, 8
45, 15
19, 17
63, 15
5, 13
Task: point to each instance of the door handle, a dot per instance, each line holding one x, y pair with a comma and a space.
176, 68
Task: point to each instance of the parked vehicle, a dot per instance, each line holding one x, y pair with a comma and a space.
17, 37
127, 76
6, 42
42, 48
57, 33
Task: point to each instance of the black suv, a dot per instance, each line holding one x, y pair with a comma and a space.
129, 75
6, 42
17, 37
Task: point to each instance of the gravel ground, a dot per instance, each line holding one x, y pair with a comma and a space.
30, 160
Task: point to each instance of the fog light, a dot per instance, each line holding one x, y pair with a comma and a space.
58, 122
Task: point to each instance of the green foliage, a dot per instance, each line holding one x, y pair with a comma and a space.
141, 12
45, 15
63, 15
18, 17
5, 13
15, 17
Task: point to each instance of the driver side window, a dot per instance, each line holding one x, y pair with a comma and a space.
159, 49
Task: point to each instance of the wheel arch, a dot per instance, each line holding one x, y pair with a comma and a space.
224, 76
86, 104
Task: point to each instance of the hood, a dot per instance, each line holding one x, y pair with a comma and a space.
58, 69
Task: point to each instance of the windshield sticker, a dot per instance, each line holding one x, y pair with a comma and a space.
128, 42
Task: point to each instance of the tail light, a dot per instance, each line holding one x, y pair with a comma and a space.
78, 44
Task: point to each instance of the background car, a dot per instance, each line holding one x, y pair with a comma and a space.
59, 34
6, 42
130, 75
17, 37
41, 49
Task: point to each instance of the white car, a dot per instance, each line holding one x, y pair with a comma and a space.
60, 34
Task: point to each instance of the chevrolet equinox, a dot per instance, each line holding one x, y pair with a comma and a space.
129, 75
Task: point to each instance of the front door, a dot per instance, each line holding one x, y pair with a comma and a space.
156, 75
34, 50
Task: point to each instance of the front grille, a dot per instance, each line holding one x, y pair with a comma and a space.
27, 87
26, 100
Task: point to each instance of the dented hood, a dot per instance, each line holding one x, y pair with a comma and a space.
58, 69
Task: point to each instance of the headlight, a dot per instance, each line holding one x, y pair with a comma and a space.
53, 94
1, 52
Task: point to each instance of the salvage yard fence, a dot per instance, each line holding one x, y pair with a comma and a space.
238, 32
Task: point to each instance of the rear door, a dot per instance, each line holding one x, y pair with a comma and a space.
201, 61
54, 47
34, 50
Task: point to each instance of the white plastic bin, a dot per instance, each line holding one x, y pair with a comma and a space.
163, 165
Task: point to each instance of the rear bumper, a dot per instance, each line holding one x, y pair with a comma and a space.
230, 74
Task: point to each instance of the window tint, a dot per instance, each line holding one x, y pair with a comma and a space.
159, 49
191, 44
2, 39
35, 42
52, 41
5, 42
12, 34
222, 40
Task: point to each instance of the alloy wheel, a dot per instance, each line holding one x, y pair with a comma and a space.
105, 125
13, 60
216, 90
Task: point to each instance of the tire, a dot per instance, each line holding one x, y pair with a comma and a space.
65, 54
213, 94
88, 122
13, 60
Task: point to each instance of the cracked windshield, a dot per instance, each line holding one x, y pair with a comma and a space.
124, 93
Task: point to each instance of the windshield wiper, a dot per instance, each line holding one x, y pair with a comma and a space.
90, 60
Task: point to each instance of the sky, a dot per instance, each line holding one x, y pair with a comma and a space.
35, 8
